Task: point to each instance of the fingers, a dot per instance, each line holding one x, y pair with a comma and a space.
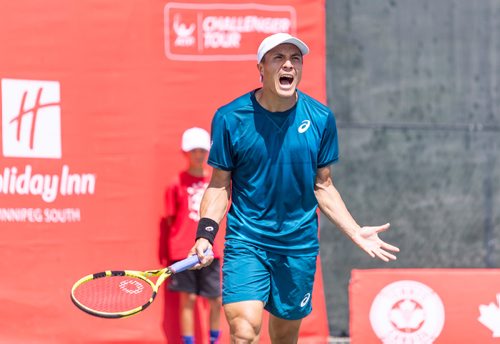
383, 228
381, 251
370, 252
388, 255
383, 255
205, 259
369, 230
201, 246
375, 247
389, 247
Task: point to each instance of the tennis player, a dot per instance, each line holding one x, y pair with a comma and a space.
271, 154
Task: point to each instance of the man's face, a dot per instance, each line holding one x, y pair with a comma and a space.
281, 70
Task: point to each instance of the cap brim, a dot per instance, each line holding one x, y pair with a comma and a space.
271, 43
304, 49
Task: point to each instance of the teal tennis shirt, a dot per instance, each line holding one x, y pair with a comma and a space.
273, 158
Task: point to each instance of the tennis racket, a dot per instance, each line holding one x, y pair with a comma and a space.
118, 294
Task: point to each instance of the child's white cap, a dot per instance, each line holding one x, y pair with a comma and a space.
195, 138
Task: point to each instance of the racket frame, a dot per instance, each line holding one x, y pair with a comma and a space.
142, 275
162, 274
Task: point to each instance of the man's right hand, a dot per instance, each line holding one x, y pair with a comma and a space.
200, 246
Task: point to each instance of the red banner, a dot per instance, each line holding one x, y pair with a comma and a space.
94, 99
425, 306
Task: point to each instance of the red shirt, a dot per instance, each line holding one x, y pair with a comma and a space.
183, 199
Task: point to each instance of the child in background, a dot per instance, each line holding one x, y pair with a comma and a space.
183, 199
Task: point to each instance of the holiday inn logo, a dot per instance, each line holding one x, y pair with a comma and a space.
31, 130
31, 119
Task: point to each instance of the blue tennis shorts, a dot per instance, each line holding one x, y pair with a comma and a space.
283, 283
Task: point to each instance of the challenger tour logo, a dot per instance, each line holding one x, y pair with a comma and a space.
31, 128
222, 32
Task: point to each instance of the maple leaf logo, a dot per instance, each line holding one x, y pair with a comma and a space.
407, 315
490, 316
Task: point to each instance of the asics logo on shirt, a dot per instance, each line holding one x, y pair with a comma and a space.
304, 126
306, 298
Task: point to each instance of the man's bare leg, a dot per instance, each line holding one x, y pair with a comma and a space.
245, 321
283, 331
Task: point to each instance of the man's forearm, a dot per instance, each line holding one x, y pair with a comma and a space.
214, 203
331, 204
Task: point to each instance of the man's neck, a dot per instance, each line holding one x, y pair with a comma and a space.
274, 103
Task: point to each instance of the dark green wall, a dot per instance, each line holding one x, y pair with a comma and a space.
415, 87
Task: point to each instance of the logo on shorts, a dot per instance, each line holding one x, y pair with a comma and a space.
304, 126
305, 300
407, 312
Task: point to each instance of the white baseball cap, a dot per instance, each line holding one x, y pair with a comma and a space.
195, 138
280, 38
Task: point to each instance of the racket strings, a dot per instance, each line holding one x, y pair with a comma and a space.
114, 294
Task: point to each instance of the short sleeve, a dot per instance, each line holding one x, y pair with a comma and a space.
171, 200
329, 149
221, 148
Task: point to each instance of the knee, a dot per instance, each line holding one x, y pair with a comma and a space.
284, 331
245, 320
215, 302
188, 299
243, 331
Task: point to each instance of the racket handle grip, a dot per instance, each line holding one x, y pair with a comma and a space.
187, 263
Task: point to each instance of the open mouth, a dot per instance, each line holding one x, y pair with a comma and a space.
286, 80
